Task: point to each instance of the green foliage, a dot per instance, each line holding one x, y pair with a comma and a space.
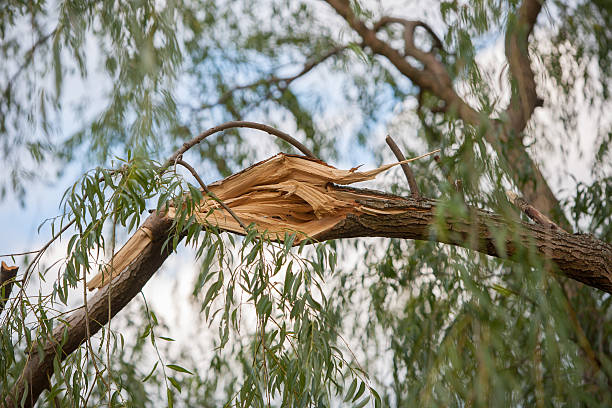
354, 323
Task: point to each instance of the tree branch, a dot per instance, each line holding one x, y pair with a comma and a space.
580, 257
414, 188
435, 79
236, 124
282, 82
524, 101
343, 212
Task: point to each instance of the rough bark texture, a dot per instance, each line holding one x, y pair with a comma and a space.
580, 257
38, 369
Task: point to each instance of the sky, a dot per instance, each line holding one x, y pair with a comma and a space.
20, 223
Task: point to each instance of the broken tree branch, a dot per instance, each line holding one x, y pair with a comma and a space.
203, 186
298, 194
414, 188
139, 240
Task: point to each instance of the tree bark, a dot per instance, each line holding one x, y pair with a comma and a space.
102, 306
580, 257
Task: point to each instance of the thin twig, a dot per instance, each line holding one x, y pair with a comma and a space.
210, 193
28, 58
532, 212
236, 124
281, 82
414, 188
455, 183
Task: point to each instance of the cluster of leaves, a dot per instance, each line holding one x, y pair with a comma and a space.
456, 329
290, 354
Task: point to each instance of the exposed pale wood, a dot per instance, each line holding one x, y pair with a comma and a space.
285, 194
7, 276
297, 194
137, 243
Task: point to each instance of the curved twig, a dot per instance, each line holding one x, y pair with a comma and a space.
414, 188
409, 27
236, 124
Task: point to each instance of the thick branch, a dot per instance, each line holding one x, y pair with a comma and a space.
434, 77
580, 257
38, 369
524, 101
333, 212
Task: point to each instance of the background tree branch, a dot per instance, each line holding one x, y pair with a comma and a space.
435, 79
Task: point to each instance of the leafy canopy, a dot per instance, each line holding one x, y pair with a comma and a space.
118, 86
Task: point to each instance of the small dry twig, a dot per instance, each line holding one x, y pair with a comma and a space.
455, 183
532, 212
414, 188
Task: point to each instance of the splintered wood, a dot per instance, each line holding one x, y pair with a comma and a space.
122, 259
285, 194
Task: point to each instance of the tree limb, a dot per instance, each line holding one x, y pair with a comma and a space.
351, 213
524, 101
38, 369
435, 79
